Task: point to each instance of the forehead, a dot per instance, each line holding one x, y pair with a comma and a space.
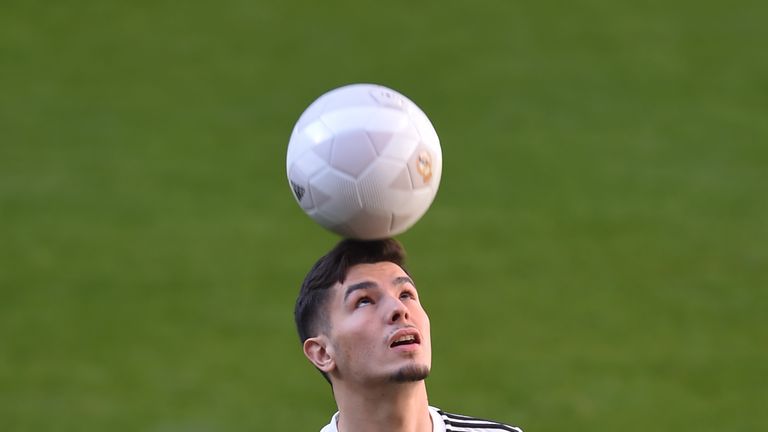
381, 270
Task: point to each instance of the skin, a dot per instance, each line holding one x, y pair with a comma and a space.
377, 386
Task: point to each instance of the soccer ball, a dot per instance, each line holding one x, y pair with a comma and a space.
364, 162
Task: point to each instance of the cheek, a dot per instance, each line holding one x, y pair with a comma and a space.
353, 337
422, 316
423, 322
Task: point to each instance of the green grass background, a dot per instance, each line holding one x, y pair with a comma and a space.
596, 258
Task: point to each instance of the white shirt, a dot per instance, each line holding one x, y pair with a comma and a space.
437, 422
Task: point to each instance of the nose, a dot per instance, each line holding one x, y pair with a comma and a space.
399, 312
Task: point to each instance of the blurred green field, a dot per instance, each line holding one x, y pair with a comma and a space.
596, 258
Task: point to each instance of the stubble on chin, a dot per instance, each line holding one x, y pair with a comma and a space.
410, 373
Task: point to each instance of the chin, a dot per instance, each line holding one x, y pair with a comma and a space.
410, 373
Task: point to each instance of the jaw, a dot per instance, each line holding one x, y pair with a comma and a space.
410, 364
395, 369
410, 373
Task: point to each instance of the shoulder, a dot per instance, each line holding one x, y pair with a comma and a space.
462, 423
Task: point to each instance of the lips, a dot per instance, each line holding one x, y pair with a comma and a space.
408, 336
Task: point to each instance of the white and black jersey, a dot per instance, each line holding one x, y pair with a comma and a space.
462, 423
445, 422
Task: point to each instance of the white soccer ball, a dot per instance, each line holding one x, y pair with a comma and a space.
364, 162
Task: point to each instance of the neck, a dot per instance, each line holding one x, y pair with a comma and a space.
392, 407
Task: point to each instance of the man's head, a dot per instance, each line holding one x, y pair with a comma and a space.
359, 318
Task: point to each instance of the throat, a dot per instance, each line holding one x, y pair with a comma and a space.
411, 421
387, 407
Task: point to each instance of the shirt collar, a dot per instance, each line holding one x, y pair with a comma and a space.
437, 422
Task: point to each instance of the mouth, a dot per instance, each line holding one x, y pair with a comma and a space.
405, 337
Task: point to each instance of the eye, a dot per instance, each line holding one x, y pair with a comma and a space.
408, 295
363, 301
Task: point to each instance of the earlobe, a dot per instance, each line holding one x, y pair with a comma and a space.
318, 351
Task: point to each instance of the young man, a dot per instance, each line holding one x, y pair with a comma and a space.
361, 324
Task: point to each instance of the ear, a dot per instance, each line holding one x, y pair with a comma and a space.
319, 351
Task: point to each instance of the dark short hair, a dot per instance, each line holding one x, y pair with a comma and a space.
310, 310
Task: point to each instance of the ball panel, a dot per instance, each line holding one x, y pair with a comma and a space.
401, 223
423, 125
319, 198
337, 193
314, 136
330, 224
299, 182
342, 120
387, 120
403, 180
373, 189
367, 225
323, 151
410, 213
310, 163
380, 140
352, 152
317, 132
298, 145
419, 202
400, 147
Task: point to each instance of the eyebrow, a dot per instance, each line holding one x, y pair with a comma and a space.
358, 286
400, 280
